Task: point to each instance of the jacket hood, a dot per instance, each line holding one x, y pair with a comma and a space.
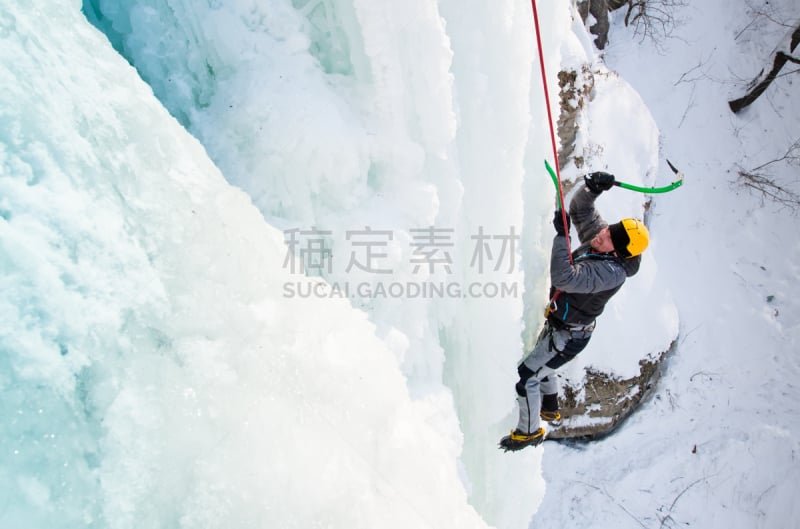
631, 265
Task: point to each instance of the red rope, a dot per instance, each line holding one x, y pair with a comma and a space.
552, 130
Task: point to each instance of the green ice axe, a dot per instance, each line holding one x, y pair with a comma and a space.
555, 183
674, 185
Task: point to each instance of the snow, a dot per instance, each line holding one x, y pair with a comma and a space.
155, 371
715, 445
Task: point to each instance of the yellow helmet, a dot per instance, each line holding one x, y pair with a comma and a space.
630, 237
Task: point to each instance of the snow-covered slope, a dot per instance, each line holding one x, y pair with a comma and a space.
716, 446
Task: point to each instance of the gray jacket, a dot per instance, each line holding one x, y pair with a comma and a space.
589, 282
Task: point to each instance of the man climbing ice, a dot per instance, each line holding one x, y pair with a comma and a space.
580, 288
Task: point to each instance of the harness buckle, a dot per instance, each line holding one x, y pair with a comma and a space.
550, 308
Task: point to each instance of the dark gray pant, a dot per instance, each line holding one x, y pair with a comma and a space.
554, 348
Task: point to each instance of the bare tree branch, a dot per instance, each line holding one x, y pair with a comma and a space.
778, 62
791, 156
653, 19
762, 182
770, 190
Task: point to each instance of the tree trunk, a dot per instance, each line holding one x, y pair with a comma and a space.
780, 58
599, 10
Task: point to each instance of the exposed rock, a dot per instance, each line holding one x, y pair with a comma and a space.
575, 89
599, 10
603, 402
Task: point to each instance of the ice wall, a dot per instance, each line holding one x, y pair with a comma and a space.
153, 374
348, 114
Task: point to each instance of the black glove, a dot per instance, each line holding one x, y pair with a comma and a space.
558, 223
599, 181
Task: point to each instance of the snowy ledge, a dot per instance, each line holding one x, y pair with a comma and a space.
594, 408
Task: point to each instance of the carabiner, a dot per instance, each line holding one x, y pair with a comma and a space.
550, 308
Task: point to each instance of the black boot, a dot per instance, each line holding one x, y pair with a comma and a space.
549, 411
518, 440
